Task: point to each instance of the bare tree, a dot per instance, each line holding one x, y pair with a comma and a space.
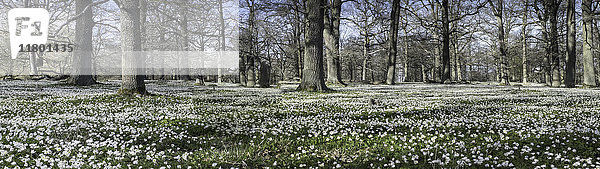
570, 71
250, 66
393, 43
524, 42
551, 7
312, 75
82, 55
498, 13
588, 54
131, 44
331, 33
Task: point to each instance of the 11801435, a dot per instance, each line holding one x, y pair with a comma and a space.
46, 47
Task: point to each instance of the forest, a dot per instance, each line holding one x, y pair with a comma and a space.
300, 84
383, 42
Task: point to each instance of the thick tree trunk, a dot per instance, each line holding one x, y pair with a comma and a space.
456, 67
264, 79
221, 39
250, 66
82, 55
331, 34
445, 43
185, 41
312, 75
437, 71
504, 74
242, 67
131, 45
570, 72
552, 12
265, 74
393, 44
525, 70
588, 54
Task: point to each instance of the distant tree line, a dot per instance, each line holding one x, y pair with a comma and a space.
439, 41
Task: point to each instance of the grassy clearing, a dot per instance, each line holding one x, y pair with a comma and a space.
403, 126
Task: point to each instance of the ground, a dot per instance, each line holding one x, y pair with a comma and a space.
406, 125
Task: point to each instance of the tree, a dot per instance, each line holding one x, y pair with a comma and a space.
312, 74
445, 42
131, 45
542, 15
551, 8
184, 73
524, 42
588, 55
393, 43
498, 13
331, 35
250, 67
82, 55
570, 71
221, 36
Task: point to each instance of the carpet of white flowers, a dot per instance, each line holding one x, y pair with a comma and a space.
48, 124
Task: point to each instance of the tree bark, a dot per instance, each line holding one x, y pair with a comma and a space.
184, 73
393, 44
570, 71
498, 12
437, 71
221, 39
82, 55
312, 75
406, 57
242, 67
445, 43
132, 78
250, 66
589, 79
423, 73
525, 69
331, 34
365, 59
264, 80
552, 12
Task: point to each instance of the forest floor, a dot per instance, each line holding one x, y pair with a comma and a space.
408, 126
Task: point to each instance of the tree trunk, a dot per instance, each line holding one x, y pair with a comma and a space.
265, 74
250, 70
299, 53
552, 12
221, 39
524, 44
589, 79
312, 75
436, 72
504, 77
570, 71
393, 44
132, 78
264, 80
144, 34
185, 41
423, 73
365, 59
331, 34
406, 57
82, 55
445, 42
242, 67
